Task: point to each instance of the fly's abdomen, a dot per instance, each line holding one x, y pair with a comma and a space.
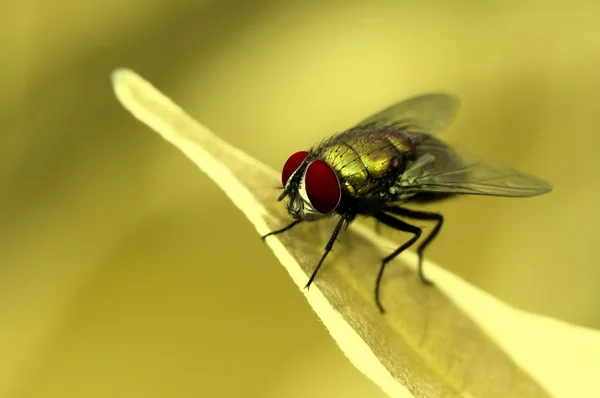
362, 158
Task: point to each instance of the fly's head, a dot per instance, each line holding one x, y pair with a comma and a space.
311, 186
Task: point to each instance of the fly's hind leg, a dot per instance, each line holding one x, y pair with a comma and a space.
421, 215
401, 226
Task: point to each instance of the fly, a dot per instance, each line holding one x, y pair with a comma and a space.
387, 161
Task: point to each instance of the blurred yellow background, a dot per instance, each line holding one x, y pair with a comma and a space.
125, 272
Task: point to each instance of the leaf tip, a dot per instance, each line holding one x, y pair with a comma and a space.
119, 74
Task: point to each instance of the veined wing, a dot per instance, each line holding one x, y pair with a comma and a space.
439, 168
428, 113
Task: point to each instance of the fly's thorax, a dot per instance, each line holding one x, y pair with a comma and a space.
364, 160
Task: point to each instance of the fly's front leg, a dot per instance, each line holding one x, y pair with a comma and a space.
290, 226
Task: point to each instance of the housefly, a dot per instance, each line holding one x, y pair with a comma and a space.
387, 161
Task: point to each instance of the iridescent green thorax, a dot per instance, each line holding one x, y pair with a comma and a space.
363, 157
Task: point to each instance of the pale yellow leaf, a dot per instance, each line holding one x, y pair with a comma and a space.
443, 341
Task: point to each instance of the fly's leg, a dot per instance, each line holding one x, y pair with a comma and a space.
421, 215
328, 248
401, 226
290, 226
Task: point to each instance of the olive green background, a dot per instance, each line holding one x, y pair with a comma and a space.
125, 272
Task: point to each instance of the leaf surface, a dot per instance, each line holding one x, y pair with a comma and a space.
447, 341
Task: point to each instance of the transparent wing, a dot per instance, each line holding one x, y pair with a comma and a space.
439, 168
428, 113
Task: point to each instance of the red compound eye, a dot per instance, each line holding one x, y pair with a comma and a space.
322, 187
292, 165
